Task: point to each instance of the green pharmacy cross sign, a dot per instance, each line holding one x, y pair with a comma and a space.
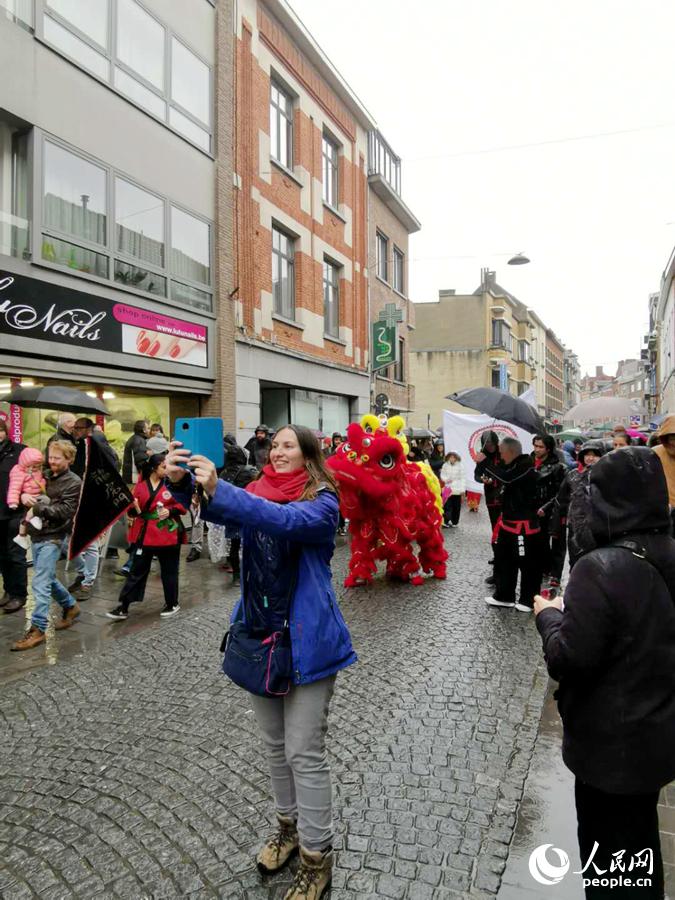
384, 342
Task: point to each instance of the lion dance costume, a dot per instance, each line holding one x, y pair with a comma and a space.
391, 504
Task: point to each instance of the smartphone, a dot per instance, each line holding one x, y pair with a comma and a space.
203, 436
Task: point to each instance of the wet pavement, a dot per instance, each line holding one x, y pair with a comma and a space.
132, 768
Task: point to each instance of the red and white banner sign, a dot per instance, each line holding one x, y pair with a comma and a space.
462, 434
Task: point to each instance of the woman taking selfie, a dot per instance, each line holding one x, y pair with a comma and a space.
156, 530
288, 520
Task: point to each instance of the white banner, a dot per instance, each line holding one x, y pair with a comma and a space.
462, 433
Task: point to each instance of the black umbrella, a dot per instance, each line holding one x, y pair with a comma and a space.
55, 396
500, 405
418, 433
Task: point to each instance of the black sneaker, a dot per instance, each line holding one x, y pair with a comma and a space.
169, 611
123, 571
193, 555
75, 585
119, 614
491, 580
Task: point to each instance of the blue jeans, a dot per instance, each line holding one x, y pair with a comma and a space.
86, 563
45, 583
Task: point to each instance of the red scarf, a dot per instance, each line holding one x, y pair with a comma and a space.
281, 487
538, 462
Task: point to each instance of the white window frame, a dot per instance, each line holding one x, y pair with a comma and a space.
331, 284
330, 170
290, 259
398, 278
109, 53
282, 116
382, 260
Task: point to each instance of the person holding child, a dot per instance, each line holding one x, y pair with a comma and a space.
56, 508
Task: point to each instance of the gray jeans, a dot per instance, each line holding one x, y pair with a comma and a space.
293, 729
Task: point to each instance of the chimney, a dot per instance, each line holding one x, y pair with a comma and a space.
487, 279
598, 372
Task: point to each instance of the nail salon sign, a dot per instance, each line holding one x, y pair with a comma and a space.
34, 309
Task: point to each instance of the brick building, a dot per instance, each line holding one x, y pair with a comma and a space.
301, 239
390, 223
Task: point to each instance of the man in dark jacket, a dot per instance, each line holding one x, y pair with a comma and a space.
65, 426
489, 443
570, 508
83, 429
56, 508
135, 451
258, 447
613, 651
86, 563
517, 534
238, 472
12, 556
550, 475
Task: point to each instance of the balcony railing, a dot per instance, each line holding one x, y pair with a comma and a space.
383, 161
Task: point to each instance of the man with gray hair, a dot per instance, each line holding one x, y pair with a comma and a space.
64, 429
517, 534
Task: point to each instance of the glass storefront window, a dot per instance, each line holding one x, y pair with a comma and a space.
77, 49
139, 223
78, 258
74, 195
91, 18
141, 279
320, 412
190, 82
190, 247
140, 42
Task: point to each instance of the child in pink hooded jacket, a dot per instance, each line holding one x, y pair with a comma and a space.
26, 478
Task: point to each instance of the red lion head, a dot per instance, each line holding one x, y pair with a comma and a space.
368, 463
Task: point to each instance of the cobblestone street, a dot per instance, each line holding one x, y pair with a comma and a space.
132, 768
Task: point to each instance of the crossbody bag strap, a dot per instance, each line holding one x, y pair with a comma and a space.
641, 553
146, 508
295, 553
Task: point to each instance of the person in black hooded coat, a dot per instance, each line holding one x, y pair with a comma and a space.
613, 651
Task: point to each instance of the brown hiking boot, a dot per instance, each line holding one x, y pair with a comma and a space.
314, 875
31, 638
68, 618
280, 847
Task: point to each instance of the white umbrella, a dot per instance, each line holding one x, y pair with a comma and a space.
603, 408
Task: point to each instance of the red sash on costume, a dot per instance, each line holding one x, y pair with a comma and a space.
514, 526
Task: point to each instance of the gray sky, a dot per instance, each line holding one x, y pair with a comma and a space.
453, 82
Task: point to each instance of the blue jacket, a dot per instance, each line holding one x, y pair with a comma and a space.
320, 641
568, 449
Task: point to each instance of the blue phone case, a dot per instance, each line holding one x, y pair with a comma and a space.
203, 436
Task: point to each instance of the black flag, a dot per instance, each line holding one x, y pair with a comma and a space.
103, 499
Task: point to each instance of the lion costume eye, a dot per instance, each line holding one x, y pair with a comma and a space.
345, 448
387, 461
